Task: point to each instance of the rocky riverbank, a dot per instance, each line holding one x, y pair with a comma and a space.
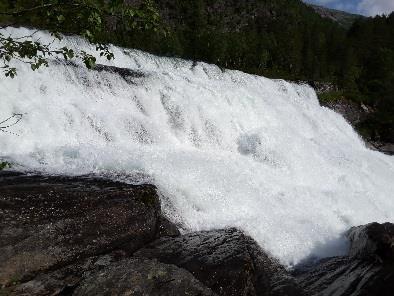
89, 236
357, 114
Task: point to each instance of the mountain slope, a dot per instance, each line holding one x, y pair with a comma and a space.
281, 38
345, 19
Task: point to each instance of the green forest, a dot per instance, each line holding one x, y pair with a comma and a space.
279, 39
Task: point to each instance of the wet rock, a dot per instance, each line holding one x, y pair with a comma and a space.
167, 228
372, 241
367, 270
386, 148
360, 116
127, 74
227, 261
114, 274
142, 277
354, 113
65, 280
48, 222
322, 87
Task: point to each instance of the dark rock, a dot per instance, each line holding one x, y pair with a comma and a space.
167, 228
48, 222
142, 277
321, 87
367, 270
386, 148
65, 280
372, 241
227, 261
359, 116
354, 113
126, 73
113, 274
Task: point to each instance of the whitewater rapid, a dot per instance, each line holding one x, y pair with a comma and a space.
224, 148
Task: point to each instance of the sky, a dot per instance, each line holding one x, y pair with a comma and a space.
364, 7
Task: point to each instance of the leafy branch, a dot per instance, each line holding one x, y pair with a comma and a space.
87, 18
4, 165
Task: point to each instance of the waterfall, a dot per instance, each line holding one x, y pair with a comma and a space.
224, 148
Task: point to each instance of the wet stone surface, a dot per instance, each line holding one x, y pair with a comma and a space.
367, 270
90, 236
227, 261
48, 222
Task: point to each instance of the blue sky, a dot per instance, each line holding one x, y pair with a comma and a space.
365, 7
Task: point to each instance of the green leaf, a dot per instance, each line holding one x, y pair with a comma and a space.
4, 165
89, 61
61, 18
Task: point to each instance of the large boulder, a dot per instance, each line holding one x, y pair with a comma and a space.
367, 270
372, 241
227, 261
48, 222
142, 277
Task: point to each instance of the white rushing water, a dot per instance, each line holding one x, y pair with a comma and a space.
224, 148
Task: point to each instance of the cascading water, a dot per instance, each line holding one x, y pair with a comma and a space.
224, 148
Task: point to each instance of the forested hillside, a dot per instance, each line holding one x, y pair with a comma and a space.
282, 38
279, 39
368, 74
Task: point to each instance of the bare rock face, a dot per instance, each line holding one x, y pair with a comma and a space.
48, 222
227, 261
142, 277
367, 270
358, 115
354, 113
372, 241
344, 19
115, 274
